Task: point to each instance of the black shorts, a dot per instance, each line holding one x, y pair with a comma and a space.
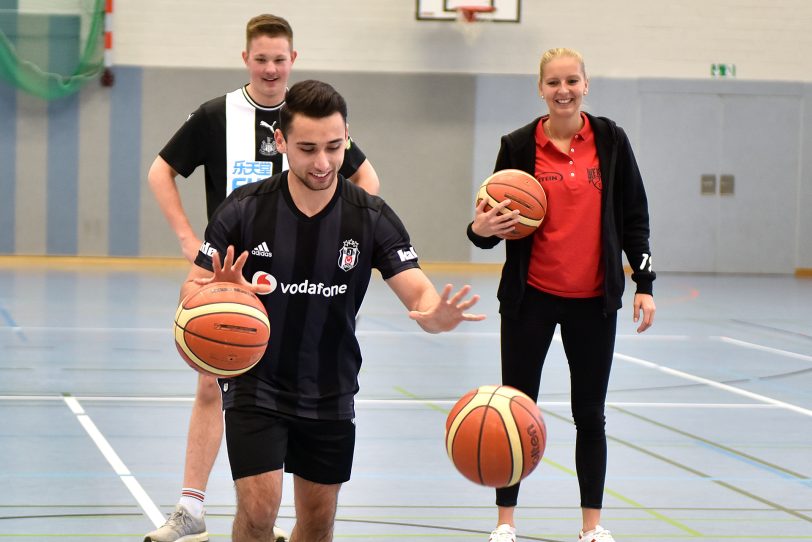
261, 440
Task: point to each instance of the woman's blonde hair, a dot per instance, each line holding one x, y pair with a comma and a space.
558, 52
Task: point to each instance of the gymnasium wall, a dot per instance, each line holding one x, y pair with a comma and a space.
428, 108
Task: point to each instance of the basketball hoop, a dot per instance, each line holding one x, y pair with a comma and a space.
467, 19
469, 13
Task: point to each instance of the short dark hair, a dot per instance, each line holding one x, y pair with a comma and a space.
272, 26
311, 98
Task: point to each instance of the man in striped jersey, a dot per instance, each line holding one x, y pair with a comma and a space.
295, 409
232, 137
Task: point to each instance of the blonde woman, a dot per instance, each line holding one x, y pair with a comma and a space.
569, 273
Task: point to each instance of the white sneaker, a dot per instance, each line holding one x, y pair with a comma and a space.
503, 533
180, 527
598, 534
280, 535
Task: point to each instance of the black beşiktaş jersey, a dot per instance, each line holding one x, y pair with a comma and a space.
319, 268
232, 138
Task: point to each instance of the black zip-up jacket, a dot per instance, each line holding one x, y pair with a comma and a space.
624, 216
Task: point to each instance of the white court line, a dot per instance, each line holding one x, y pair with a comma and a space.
359, 333
567, 403
715, 384
146, 504
404, 401
166, 329
771, 350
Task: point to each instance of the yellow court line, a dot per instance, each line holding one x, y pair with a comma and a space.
76, 262
84, 262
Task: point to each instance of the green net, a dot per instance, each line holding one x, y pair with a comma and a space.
51, 48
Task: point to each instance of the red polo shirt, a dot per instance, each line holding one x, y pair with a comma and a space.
566, 256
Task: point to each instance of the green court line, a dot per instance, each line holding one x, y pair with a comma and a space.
714, 444
701, 474
658, 515
426, 536
608, 491
454, 531
212, 506
710, 478
429, 404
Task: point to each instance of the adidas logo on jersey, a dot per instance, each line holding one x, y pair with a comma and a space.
262, 250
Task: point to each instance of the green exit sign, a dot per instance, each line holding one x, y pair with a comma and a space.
723, 70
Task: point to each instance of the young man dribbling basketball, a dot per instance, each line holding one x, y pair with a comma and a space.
295, 408
232, 136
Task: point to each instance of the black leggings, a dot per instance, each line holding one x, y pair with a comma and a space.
589, 342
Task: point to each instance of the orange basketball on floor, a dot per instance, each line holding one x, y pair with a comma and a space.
495, 436
525, 194
222, 329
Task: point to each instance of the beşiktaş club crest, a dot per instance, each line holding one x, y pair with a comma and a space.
348, 255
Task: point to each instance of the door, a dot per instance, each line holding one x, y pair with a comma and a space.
749, 138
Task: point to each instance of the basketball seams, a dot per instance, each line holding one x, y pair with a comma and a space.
217, 289
517, 172
526, 194
537, 419
192, 303
261, 329
513, 434
529, 222
218, 350
481, 432
215, 371
224, 343
486, 436
523, 190
184, 315
461, 416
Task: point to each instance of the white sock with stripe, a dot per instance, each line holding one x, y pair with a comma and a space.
192, 500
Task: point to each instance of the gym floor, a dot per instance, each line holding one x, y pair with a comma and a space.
709, 417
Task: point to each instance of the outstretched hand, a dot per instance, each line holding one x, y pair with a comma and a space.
448, 312
231, 271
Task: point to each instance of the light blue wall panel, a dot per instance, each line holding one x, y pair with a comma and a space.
125, 175
63, 140
503, 103
804, 241
8, 166
62, 175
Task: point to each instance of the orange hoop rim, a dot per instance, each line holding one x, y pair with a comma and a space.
469, 13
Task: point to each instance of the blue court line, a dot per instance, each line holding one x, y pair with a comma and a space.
702, 475
6, 317
731, 452
759, 465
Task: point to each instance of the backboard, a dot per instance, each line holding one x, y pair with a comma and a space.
506, 11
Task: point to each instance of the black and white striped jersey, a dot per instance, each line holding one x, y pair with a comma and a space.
318, 268
232, 138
